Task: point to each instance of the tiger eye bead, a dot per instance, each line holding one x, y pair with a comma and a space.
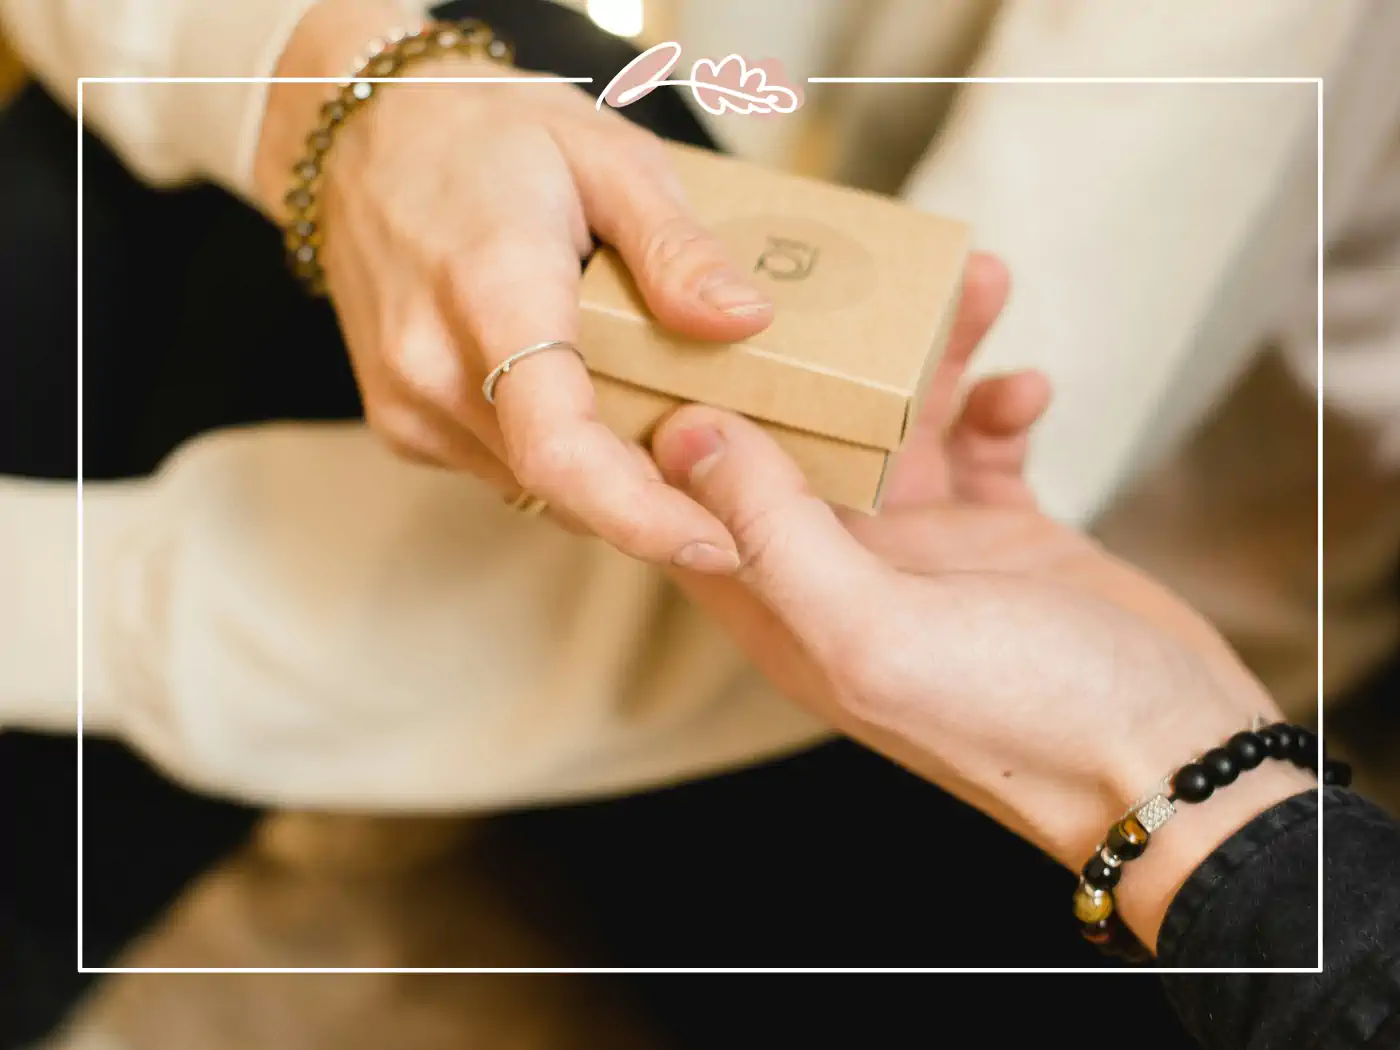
1100, 934
1091, 907
1127, 839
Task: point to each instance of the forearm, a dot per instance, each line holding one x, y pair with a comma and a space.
168, 132
46, 652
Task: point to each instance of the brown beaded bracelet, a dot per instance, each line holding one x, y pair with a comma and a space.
391, 57
1094, 904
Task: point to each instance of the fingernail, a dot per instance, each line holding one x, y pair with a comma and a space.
706, 557
729, 293
693, 452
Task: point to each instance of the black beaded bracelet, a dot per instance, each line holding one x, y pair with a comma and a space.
1094, 903
391, 57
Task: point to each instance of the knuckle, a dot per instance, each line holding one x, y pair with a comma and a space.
763, 536
759, 541
400, 355
676, 243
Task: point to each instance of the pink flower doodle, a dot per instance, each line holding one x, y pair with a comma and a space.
729, 85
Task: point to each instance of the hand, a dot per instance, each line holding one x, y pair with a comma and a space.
984, 646
455, 217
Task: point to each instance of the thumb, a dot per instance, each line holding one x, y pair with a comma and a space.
683, 273
797, 556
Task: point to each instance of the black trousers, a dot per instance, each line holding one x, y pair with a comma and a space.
835, 858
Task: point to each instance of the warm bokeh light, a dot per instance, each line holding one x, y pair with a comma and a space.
620, 17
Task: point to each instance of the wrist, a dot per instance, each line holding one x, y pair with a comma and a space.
325, 43
1118, 780
1190, 710
1151, 882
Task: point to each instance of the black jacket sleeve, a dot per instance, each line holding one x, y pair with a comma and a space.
1254, 903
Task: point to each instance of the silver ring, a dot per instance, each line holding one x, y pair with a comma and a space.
488, 388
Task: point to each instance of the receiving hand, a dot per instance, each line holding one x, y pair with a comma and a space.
991, 650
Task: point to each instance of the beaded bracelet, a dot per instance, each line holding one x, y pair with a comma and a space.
391, 57
1094, 903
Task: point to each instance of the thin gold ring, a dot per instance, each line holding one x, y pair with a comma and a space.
528, 504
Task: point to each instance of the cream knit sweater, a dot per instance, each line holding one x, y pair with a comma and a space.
287, 614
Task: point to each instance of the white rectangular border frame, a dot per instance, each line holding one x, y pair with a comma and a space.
1317, 83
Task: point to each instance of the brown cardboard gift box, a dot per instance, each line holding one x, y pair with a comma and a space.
865, 291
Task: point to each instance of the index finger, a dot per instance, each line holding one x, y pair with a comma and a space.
521, 291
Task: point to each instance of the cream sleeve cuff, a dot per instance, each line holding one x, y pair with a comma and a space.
165, 132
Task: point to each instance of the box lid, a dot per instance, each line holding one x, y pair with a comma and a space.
865, 290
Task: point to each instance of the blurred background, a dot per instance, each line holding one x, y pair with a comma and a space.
1214, 490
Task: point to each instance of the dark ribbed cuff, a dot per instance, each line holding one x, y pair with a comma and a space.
1253, 904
